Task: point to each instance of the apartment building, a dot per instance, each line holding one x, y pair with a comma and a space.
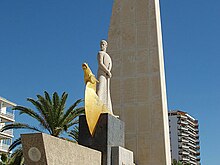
5, 117
184, 137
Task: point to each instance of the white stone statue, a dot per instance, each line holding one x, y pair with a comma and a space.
104, 75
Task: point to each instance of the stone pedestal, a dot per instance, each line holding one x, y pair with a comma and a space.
122, 156
109, 132
43, 149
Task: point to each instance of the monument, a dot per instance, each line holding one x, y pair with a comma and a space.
138, 92
99, 129
97, 92
138, 87
101, 134
104, 75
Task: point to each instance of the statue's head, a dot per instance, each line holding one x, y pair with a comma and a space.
103, 45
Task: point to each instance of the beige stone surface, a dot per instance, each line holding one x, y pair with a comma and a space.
138, 86
121, 156
55, 151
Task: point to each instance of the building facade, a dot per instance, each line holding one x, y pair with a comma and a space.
184, 137
5, 117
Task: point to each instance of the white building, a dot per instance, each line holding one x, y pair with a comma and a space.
5, 117
184, 137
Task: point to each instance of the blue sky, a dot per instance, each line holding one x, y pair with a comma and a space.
43, 44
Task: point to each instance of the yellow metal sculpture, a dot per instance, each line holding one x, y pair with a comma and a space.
93, 105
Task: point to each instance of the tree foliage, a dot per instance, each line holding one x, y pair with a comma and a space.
52, 117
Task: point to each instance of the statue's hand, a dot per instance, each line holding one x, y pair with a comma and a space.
109, 74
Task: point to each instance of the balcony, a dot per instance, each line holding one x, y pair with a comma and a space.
192, 134
6, 134
183, 145
183, 152
182, 116
182, 139
183, 158
193, 123
192, 151
4, 148
182, 128
192, 145
192, 157
6, 117
183, 134
182, 122
193, 162
192, 128
192, 139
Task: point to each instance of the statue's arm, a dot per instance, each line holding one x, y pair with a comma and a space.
101, 64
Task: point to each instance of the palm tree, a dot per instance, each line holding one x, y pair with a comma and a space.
50, 114
175, 162
12, 159
74, 133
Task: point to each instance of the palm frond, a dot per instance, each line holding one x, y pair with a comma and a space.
18, 126
17, 157
15, 144
38, 106
74, 122
30, 112
47, 96
49, 112
60, 109
74, 133
55, 100
72, 112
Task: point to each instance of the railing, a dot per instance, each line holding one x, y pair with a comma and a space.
192, 133
183, 152
182, 116
181, 139
182, 128
184, 158
182, 122
192, 139
192, 123
192, 151
192, 156
8, 132
182, 134
8, 115
192, 162
192, 145
192, 128
4, 147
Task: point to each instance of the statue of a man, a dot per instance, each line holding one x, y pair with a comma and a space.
104, 75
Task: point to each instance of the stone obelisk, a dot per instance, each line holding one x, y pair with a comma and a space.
138, 80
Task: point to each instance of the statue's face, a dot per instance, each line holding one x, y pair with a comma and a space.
103, 46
